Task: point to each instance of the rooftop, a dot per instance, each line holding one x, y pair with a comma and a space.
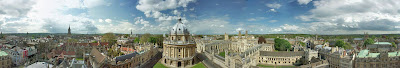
2, 53
282, 53
383, 43
366, 54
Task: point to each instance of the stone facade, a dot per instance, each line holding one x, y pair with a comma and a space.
5, 60
280, 58
179, 50
377, 60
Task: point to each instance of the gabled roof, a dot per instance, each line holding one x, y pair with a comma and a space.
97, 55
124, 57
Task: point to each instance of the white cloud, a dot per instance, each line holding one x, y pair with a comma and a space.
304, 1
122, 27
100, 20
355, 15
140, 20
290, 27
256, 19
274, 5
108, 20
251, 19
191, 9
153, 8
44, 16
272, 21
273, 10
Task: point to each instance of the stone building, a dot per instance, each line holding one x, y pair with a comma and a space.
5, 60
179, 48
367, 59
280, 57
131, 60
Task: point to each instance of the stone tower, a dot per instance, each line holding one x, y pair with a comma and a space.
246, 34
240, 35
366, 35
69, 30
226, 36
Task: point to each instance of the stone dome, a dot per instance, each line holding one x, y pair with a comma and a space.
179, 29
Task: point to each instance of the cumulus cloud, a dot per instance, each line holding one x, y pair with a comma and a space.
153, 8
304, 1
274, 5
354, 15
100, 20
140, 20
273, 10
20, 16
14, 8
108, 20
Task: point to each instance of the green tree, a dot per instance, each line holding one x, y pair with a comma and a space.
303, 44
282, 45
145, 38
137, 40
394, 45
109, 37
341, 43
368, 41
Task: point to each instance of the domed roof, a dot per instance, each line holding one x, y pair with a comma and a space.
179, 29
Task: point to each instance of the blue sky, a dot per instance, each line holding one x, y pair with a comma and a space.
201, 16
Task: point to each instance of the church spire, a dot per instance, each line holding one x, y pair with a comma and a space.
69, 29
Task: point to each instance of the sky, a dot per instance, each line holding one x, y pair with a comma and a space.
201, 16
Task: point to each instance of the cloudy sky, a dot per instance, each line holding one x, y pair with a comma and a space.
201, 16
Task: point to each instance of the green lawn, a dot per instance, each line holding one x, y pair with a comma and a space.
222, 54
276, 66
199, 65
159, 65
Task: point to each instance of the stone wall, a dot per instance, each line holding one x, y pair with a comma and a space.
313, 65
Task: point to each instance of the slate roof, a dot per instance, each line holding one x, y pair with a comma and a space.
124, 57
97, 55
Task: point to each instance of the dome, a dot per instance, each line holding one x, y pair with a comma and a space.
179, 29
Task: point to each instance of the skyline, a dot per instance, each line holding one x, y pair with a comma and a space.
201, 16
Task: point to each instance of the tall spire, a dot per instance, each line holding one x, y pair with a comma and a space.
69, 29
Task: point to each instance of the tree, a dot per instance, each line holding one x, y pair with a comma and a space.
342, 44
109, 37
145, 38
303, 44
394, 45
368, 41
137, 40
281, 44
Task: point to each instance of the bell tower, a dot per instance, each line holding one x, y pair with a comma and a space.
69, 30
